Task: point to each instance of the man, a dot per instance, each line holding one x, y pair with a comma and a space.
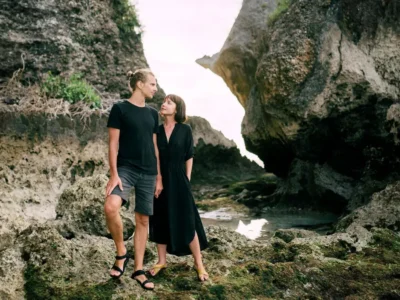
134, 162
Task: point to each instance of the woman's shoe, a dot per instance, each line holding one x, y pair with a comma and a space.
142, 284
116, 268
157, 268
202, 274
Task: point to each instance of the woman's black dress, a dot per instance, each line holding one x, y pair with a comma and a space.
176, 218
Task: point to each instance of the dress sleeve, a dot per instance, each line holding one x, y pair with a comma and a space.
114, 119
189, 153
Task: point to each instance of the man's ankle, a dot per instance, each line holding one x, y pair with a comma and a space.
121, 250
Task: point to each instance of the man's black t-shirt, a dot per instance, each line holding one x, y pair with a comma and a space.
137, 126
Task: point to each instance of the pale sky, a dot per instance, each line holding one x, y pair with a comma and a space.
176, 33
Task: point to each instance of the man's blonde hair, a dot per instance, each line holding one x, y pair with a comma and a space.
138, 75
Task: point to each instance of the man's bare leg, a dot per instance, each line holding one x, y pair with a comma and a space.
140, 240
114, 225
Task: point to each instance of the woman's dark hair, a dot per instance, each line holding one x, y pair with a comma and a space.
180, 115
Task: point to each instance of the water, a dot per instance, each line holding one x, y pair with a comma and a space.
263, 226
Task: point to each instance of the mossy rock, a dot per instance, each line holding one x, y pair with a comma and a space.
39, 285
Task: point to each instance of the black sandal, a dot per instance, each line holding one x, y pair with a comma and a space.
142, 284
114, 267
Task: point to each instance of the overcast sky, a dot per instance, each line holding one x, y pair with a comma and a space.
176, 33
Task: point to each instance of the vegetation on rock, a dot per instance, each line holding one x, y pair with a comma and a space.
126, 19
281, 7
72, 89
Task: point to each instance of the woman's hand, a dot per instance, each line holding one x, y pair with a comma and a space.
112, 183
159, 186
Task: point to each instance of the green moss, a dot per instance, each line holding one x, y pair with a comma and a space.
42, 286
203, 206
214, 204
387, 239
181, 283
339, 250
285, 236
384, 248
218, 291
265, 184
281, 7
359, 279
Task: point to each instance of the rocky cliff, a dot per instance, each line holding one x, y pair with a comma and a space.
319, 81
99, 39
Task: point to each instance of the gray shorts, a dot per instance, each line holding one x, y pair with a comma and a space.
144, 189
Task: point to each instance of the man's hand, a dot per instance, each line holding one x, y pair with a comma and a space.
112, 183
159, 186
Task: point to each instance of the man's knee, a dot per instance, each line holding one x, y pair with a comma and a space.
142, 220
112, 205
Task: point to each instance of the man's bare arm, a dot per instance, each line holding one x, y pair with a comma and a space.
159, 185
113, 143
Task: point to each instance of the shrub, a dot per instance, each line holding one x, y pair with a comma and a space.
72, 89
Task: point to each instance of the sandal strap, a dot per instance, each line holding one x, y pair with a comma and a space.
126, 255
143, 284
137, 273
117, 269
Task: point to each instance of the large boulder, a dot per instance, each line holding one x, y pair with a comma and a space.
319, 81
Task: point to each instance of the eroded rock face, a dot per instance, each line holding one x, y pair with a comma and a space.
81, 206
319, 86
43, 156
382, 211
66, 37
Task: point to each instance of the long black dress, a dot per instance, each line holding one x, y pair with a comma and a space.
176, 218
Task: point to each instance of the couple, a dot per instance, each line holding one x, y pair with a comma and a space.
157, 162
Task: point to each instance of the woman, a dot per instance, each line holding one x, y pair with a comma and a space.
176, 225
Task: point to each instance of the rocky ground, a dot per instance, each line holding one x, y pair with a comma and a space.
69, 258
